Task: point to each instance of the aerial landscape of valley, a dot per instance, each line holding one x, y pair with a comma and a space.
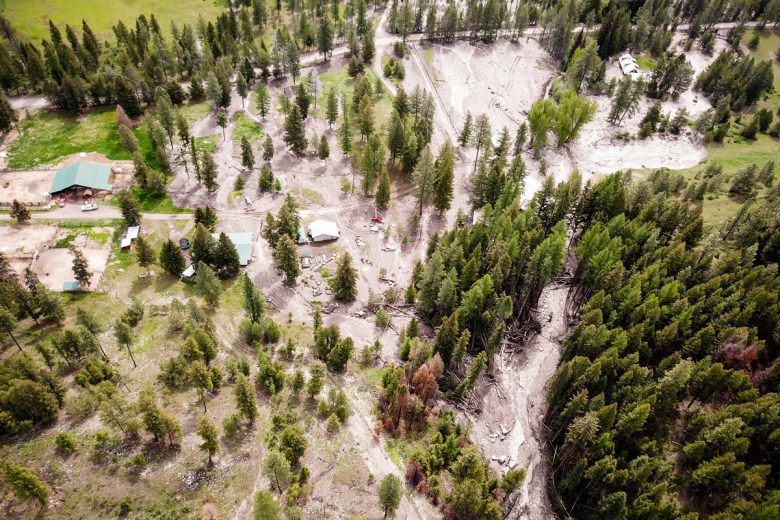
419, 259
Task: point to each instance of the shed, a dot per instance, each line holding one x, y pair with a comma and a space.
189, 273
130, 235
243, 243
70, 286
322, 230
302, 239
82, 175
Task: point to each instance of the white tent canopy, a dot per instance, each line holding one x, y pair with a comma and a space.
321, 230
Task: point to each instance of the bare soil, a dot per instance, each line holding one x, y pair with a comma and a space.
54, 267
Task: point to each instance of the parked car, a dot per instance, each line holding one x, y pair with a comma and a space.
88, 206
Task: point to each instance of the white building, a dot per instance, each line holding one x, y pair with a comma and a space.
323, 230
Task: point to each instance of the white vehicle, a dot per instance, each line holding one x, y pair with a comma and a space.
88, 206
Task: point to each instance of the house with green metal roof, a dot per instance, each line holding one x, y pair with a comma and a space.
243, 243
82, 175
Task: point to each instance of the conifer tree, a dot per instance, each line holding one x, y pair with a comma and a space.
332, 107
208, 170
200, 377
424, 177
226, 258
325, 37
171, 258
241, 87
208, 432
91, 324
345, 280
345, 134
144, 253
81, 271
383, 190
126, 97
294, 133
268, 148
247, 156
389, 494
245, 398
445, 179
263, 100
8, 117
323, 150
286, 259
302, 100
164, 112
25, 483
254, 301
266, 180
8, 324
207, 283
131, 210
124, 337
465, 134
203, 246
222, 122
19, 212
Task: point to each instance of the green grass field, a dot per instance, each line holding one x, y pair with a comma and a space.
246, 127
50, 136
345, 85
31, 17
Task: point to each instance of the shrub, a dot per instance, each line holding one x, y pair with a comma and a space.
65, 442
231, 424
333, 423
383, 319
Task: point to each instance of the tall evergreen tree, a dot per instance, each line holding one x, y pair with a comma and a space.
445, 179
332, 107
294, 132
263, 100
144, 253
81, 271
171, 258
286, 259
383, 190
19, 212
226, 259
208, 432
247, 155
208, 170
424, 177
345, 279
126, 97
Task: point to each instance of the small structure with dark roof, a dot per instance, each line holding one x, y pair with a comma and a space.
82, 175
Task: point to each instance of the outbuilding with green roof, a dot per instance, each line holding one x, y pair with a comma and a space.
82, 175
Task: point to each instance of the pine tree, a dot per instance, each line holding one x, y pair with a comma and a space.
24, 482
208, 432
8, 324
254, 301
389, 494
383, 190
126, 97
465, 135
241, 87
207, 283
294, 132
323, 150
81, 271
345, 280
171, 258
266, 180
124, 337
208, 170
89, 322
268, 148
263, 100
316, 378
19, 212
286, 259
131, 210
482, 134
332, 107
325, 37
345, 134
302, 99
245, 398
144, 253
8, 117
424, 177
277, 469
583, 64
222, 122
226, 259
445, 179
247, 156
199, 376
164, 112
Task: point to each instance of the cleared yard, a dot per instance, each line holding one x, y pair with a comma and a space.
30, 187
54, 266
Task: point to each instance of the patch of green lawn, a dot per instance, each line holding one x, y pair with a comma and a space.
208, 143
246, 127
31, 17
344, 84
49, 136
194, 112
646, 62
156, 203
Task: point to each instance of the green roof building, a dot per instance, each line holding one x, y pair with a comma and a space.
82, 175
